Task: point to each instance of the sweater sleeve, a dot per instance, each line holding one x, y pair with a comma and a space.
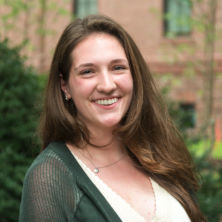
48, 192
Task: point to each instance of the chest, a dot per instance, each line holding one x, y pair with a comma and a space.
133, 186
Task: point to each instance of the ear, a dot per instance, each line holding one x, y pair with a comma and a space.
64, 87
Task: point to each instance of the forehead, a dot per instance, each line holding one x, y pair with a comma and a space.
98, 45
97, 36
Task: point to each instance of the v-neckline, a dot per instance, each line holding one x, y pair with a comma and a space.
92, 175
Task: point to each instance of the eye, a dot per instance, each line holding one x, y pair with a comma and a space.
86, 72
119, 67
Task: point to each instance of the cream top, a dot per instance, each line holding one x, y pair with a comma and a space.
168, 209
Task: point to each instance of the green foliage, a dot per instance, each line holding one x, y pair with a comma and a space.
210, 171
217, 151
13, 167
19, 89
13, 8
180, 117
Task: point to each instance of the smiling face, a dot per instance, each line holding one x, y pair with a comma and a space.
100, 82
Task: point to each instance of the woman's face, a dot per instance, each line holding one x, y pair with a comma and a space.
100, 82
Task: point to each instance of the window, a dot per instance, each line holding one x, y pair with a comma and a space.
188, 118
82, 8
177, 14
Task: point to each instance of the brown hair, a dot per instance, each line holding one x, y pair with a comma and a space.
146, 130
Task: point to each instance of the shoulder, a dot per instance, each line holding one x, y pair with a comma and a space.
49, 189
49, 166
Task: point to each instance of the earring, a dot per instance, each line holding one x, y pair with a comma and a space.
66, 98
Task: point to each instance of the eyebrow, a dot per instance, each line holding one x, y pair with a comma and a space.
119, 60
83, 65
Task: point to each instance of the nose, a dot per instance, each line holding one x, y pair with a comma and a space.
106, 82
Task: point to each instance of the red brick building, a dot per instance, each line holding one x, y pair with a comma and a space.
169, 33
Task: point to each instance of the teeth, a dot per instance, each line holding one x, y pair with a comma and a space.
106, 101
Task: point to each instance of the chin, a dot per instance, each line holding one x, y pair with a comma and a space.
110, 123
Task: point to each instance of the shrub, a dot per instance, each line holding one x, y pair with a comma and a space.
210, 172
20, 88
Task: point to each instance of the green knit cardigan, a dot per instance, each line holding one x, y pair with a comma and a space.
57, 189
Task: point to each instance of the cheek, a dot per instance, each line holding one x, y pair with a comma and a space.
81, 89
127, 84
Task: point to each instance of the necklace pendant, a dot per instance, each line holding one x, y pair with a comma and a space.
96, 170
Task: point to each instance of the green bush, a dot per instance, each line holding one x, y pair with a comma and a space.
210, 172
178, 115
20, 89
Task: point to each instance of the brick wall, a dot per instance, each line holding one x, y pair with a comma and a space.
144, 21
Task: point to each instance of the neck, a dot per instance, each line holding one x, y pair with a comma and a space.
104, 147
102, 155
101, 137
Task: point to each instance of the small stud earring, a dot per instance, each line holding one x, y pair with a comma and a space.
66, 98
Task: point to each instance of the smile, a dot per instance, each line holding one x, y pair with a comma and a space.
106, 102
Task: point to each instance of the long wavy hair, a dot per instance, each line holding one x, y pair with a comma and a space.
146, 130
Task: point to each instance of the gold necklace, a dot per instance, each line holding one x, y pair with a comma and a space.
97, 168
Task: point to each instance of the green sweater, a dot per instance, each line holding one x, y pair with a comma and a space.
57, 189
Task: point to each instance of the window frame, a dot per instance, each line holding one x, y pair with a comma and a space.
175, 34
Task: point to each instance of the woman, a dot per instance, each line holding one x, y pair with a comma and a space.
111, 153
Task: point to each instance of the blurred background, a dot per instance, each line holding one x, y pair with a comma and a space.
181, 40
